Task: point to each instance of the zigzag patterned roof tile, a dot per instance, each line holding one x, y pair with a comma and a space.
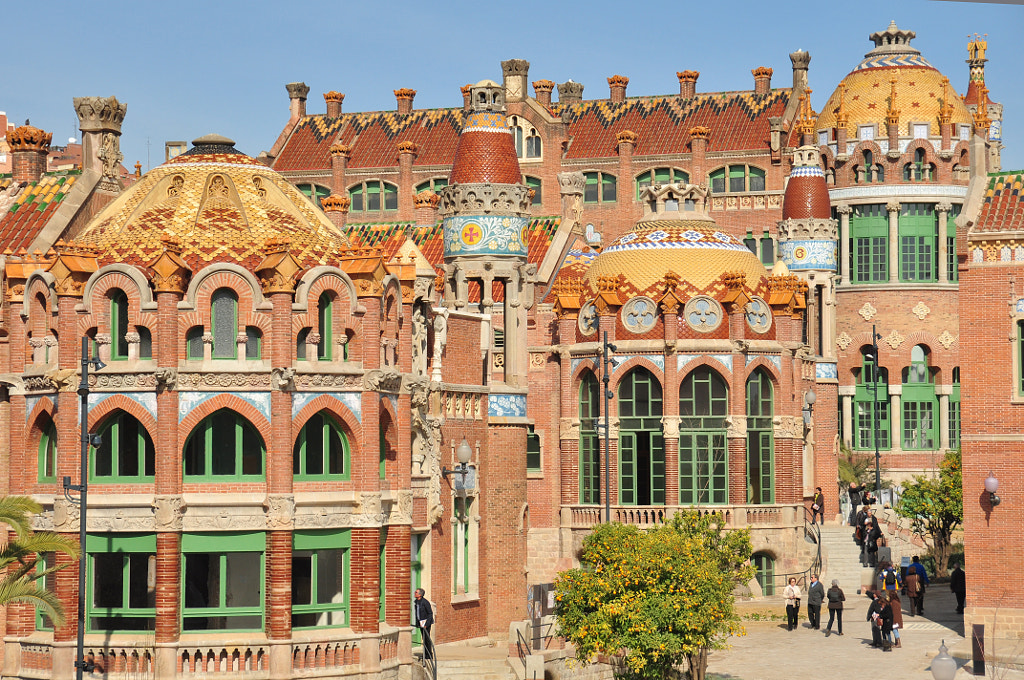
1003, 209
32, 208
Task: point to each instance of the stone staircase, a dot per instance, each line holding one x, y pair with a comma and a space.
841, 558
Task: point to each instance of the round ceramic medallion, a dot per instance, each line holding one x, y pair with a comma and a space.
639, 314
703, 314
759, 317
587, 322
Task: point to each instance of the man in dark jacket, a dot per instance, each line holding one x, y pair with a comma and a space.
958, 584
855, 497
818, 507
815, 596
874, 612
871, 536
424, 620
922, 582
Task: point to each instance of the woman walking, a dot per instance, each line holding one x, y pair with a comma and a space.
792, 595
897, 616
835, 598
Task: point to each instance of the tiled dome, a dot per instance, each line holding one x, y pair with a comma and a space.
486, 151
220, 204
806, 193
919, 88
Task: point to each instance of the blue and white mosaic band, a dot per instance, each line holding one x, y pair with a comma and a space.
807, 171
485, 235
809, 254
893, 60
506, 405
826, 371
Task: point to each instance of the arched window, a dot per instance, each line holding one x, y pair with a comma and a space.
920, 405
373, 196
525, 138
253, 343
224, 319
300, 343
660, 176
918, 169
224, 445
194, 343
760, 439
737, 179
325, 326
48, 452
321, 450
641, 442
314, 192
145, 342
873, 380
703, 447
590, 465
118, 325
599, 188
764, 567
125, 453
434, 184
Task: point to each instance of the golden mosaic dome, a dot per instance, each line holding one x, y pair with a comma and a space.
922, 92
221, 205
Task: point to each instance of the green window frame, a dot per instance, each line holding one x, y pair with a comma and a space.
954, 411
914, 171
321, 450
462, 546
764, 568
536, 184
864, 408
920, 405
434, 184
321, 578
314, 192
46, 574
590, 460
641, 440
736, 179
118, 325
194, 343
126, 454
918, 232
869, 243
224, 320
48, 452
416, 581
222, 581
660, 176
253, 343
325, 326
599, 187
760, 439
703, 447
952, 266
533, 462
121, 582
224, 445
373, 196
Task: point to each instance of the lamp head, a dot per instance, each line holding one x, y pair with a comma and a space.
991, 483
464, 453
810, 397
97, 365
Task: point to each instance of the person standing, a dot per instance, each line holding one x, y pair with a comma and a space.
958, 584
792, 595
897, 616
922, 582
855, 498
885, 619
836, 598
871, 538
424, 620
912, 587
818, 506
815, 596
874, 614
889, 578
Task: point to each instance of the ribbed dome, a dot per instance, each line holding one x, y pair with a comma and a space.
486, 152
919, 88
694, 249
806, 193
221, 204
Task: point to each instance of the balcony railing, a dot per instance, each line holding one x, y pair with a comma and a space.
775, 515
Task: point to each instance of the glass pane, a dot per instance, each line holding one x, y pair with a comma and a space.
195, 447
302, 577
736, 184
756, 181
222, 443
590, 190
373, 196
608, 188
252, 450
141, 581
390, 197
225, 326
145, 343
300, 343
108, 580
315, 446
335, 452
128, 447
718, 184
121, 623
329, 585
242, 580
533, 146
252, 343
105, 453
119, 323
195, 343
202, 580
357, 199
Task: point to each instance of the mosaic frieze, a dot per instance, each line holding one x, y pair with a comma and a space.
799, 255
485, 235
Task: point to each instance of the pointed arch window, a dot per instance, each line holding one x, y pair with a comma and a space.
321, 450
641, 442
590, 465
703, 447
48, 452
224, 445
125, 455
760, 439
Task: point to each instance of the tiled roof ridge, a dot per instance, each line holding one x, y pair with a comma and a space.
678, 109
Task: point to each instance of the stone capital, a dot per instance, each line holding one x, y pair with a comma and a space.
167, 512
844, 208
280, 511
569, 429
100, 114
670, 426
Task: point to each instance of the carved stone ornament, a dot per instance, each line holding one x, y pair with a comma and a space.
921, 310
476, 199
65, 379
538, 360
737, 426
791, 427
894, 339
123, 381
380, 380
587, 320
167, 511
703, 313
947, 339
639, 314
65, 516
166, 378
280, 511
368, 512
225, 380
110, 156
867, 311
843, 341
670, 426
569, 429
307, 381
282, 379
38, 383
400, 511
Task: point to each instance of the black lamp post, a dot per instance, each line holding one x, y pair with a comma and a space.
875, 371
81, 665
606, 348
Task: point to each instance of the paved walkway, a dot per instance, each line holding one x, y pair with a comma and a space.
769, 652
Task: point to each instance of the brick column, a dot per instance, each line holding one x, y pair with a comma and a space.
340, 155
398, 600
624, 190
502, 545
279, 585
168, 587
894, 241
687, 83
617, 88
406, 157
542, 91
699, 136
365, 580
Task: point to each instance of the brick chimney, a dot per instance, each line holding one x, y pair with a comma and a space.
617, 87
29, 146
515, 73
762, 80
340, 154
405, 97
570, 93
297, 93
687, 83
336, 209
698, 148
99, 120
425, 204
467, 97
542, 89
407, 152
334, 100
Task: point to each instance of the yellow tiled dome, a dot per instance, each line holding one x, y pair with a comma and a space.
221, 205
919, 89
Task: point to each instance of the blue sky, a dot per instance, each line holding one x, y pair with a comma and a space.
190, 68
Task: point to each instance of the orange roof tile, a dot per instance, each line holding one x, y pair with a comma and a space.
1003, 209
32, 209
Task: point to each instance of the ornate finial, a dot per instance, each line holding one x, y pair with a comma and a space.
892, 116
806, 116
465, 89
946, 109
700, 132
138, 168
627, 136
543, 86
762, 72
408, 147
976, 48
100, 114
334, 96
278, 269
982, 122
426, 199
618, 81
335, 203
29, 138
342, 150
842, 117
687, 76
405, 93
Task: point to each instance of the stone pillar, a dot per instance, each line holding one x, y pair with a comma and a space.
570, 93
297, 93
845, 246
542, 92
406, 157
687, 83
894, 241
943, 210
99, 119
404, 96
762, 80
515, 74
617, 86
847, 420
699, 137
895, 420
29, 146
626, 140
334, 99
467, 103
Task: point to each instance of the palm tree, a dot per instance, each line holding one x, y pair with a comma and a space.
22, 581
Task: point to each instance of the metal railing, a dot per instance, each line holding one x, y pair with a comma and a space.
429, 659
812, 534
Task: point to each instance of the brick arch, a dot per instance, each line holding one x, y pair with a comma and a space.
119, 402
712, 363
38, 285
959, 149
870, 145
588, 364
392, 293
101, 286
929, 152
317, 279
352, 428
623, 369
257, 320
228, 401
773, 372
44, 407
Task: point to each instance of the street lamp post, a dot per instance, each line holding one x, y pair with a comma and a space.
81, 665
606, 347
875, 412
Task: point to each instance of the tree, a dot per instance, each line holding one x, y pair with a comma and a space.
654, 599
19, 559
935, 507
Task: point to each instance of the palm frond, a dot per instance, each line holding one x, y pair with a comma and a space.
14, 590
16, 512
